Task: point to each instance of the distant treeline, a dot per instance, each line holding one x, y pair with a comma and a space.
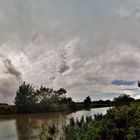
29, 99
123, 99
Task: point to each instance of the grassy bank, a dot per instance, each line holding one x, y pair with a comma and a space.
120, 123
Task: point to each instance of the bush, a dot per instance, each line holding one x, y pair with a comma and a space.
120, 123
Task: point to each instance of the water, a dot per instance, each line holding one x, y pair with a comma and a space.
27, 126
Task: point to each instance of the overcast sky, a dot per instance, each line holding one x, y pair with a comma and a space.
89, 47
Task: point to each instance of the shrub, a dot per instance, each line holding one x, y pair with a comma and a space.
120, 123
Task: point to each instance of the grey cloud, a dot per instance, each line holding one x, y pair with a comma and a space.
45, 33
11, 69
9, 81
121, 82
8, 88
99, 96
133, 89
63, 68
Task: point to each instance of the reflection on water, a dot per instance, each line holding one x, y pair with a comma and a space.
27, 126
8, 130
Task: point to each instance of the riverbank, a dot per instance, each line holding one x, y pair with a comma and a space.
58, 103
28, 126
29, 99
11, 109
119, 123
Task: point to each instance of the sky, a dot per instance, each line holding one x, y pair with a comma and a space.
89, 47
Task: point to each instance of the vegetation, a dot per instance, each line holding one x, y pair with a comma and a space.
123, 100
120, 123
48, 132
102, 103
24, 99
43, 99
7, 109
87, 102
30, 99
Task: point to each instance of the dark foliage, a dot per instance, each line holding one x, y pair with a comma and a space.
120, 123
123, 99
29, 99
40, 100
102, 103
24, 99
87, 102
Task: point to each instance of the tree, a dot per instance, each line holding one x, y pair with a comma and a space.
49, 99
123, 99
42, 99
87, 102
61, 93
43, 94
25, 98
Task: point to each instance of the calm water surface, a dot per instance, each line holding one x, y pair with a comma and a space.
27, 126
